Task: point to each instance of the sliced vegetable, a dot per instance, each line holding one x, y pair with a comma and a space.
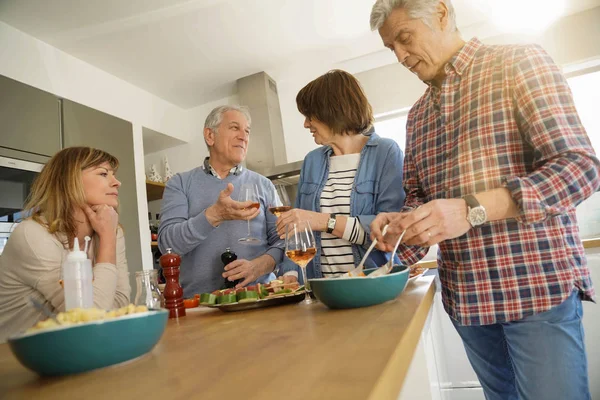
208, 299
190, 303
247, 296
262, 290
280, 292
227, 298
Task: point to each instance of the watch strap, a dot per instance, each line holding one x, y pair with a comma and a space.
331, 223
471, 201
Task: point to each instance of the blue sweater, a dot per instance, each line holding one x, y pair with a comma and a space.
185, 229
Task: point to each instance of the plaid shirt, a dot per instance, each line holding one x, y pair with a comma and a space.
211, 171
503, 117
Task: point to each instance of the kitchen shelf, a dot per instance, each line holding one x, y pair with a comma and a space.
154, 190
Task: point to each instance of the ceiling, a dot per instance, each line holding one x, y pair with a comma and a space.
190, 52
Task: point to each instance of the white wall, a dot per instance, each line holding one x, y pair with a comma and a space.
38, 64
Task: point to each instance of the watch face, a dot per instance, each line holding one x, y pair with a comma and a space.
331, 223
477, 216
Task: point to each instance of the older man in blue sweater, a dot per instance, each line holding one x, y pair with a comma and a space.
201, 217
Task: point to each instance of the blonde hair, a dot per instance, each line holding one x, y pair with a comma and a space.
58, 190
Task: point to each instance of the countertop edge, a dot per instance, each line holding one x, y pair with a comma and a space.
391, 381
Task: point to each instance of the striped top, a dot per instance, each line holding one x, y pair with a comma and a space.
336, 253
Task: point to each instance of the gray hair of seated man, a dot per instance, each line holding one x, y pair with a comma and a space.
418, 9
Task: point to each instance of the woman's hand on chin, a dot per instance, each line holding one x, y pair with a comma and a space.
103, 219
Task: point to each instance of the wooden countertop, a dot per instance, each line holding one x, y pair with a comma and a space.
288, 352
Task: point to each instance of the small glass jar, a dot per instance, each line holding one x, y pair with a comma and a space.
148, 293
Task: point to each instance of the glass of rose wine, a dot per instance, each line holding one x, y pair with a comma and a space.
300, 248
249, 192
282, 201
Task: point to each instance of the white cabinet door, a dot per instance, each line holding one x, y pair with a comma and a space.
591, 325
454, 369
458, 380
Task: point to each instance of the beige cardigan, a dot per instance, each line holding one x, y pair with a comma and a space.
31, 265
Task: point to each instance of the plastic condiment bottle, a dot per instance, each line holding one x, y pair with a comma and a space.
77, 278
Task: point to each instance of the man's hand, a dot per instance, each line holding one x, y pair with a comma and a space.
103, 219
434, 222
427, 225
385, 243
249, 271
317, 220
228, 209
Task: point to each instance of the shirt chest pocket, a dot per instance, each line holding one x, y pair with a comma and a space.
306, 195
365, 197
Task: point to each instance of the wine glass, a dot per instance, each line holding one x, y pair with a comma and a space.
282, 201
300, 248
249, 192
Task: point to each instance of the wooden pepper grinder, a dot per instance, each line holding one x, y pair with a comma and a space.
173, 292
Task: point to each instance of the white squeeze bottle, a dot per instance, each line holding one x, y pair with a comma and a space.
77, 278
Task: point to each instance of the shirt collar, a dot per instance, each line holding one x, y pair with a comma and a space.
211, 171
373, 140
464, 57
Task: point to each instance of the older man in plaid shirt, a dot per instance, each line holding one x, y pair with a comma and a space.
496, 162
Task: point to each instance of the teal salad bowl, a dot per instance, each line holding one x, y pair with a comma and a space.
83, 347
360, 292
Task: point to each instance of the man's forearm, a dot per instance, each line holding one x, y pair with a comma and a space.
265, 263
498, 204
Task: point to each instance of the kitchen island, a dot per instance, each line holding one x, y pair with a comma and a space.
287, 352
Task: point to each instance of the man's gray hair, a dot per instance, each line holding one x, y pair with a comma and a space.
418, 9
215, 117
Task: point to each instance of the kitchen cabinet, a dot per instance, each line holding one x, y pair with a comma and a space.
457, 379
84, 126
30, 120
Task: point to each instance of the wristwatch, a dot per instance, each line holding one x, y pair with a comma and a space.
476, 214
331, 223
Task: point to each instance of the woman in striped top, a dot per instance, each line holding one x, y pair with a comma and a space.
353, 176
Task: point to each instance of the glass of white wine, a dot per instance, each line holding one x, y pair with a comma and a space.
282, 201
249, 192
300, 248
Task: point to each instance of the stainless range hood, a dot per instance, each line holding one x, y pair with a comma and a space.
267, 154
287, 174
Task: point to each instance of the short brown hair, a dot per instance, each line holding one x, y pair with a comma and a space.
58, 189
338, 100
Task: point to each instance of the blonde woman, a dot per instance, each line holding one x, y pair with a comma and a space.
75, 195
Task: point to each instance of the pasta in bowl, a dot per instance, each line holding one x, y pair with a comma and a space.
84, 340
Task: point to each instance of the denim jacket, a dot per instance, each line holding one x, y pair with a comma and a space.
377, 188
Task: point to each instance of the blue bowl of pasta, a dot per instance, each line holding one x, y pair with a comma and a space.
80, 345
360, 291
